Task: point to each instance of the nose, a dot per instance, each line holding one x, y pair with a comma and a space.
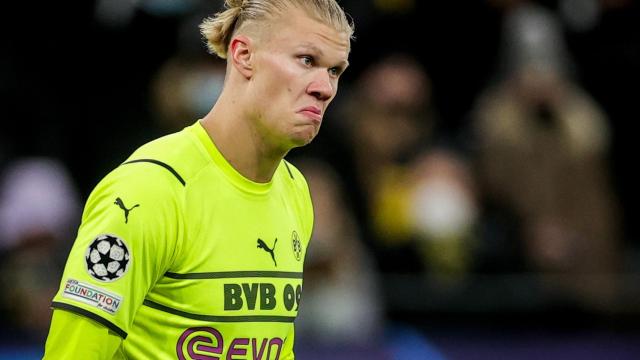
321, 86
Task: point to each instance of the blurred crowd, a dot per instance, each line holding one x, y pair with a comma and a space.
475, 168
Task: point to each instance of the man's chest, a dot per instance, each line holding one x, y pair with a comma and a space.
244, 258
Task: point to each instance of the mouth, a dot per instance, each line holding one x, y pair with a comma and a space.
312, 112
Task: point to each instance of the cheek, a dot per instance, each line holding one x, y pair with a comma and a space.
279, 85
281, 68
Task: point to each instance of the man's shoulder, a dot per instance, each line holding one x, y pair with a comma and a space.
178, 155
156, 169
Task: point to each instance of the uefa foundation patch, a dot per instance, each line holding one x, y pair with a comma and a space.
92, 295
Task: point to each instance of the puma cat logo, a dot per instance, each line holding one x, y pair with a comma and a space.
124, 208
263, 245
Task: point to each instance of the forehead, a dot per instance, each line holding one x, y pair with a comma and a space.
295, 29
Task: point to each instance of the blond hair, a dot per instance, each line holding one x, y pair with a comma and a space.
220, 28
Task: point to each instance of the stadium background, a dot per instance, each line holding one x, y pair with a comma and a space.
418, 251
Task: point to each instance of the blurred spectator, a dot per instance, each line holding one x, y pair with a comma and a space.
390, 114
542, 144
187, 83
604, 37
389, 121
183, 90
443, 211
420, 200
38, 210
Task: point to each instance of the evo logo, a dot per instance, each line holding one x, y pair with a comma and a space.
204, 343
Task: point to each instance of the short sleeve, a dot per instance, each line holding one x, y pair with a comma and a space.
75, 337
129, 236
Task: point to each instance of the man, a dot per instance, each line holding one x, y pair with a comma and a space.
193, 247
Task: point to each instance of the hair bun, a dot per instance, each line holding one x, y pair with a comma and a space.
234, 3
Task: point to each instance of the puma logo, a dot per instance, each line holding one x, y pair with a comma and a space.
263, 245
120, 203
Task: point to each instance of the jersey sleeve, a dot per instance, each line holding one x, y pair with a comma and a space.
129, 236
76, 337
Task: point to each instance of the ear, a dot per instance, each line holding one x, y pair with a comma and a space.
240, 55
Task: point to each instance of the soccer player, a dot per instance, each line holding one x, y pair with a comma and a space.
193, 248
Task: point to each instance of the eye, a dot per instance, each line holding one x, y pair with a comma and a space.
306, 60
335, 71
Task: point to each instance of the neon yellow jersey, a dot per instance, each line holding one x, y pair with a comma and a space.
185, 258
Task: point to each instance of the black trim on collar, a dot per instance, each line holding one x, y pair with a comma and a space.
164, 165
289, 170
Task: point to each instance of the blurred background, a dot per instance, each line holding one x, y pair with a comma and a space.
473, 181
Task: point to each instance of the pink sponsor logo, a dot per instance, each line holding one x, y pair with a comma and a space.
207, 343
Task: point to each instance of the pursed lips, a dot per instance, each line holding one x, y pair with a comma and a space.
312, 112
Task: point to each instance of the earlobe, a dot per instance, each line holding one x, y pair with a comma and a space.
240, 54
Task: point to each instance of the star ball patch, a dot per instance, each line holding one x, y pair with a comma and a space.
107, 258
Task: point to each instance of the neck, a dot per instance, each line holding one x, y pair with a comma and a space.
240, 142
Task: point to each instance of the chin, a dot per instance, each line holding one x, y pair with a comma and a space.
302, 139
300, 142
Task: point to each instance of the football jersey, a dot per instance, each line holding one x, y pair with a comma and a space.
185, 258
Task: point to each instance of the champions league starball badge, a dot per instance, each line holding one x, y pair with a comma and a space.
107, 258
